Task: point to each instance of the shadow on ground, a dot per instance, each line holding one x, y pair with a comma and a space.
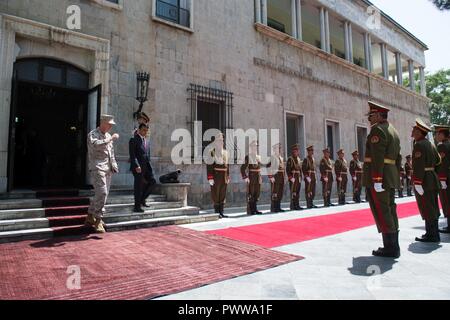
423, 248
368, 266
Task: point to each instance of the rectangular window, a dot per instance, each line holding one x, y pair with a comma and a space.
311, 25
212, 116
295, 133
279, 15
359, 53
175, 11
332, 137
337, 37
405, 72
392, 65
376, 58
361, 137
113, 1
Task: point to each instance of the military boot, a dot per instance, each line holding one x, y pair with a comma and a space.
256, 209
250, 208
273, 207
446, 229
434, 232
391, 248
99, 226
279, 207
426, 237
221, 211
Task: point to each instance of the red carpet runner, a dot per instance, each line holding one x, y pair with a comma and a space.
136, 264
275, 234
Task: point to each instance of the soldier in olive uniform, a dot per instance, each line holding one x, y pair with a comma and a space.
442, 137
425, 180
276, 177
381, 178
356, 171
309, 174
402, 181
294, 173
251, 173
218, 175
102, 166
326, 176
409, 174
341, 171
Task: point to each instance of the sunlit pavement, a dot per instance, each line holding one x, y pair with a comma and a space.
340, 266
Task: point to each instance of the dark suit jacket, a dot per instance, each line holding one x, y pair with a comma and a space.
139, 157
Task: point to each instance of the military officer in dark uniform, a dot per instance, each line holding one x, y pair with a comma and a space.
356, 171
309, 174
341, 171
294, 173
409, 174
251, 173
381, 178
425, 180
442, 137
219, 175
277, 178
402, 181
326, 176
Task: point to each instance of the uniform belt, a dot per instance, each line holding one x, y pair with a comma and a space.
429, 169
329, 171
255, 170
359, 171
221, 169
386, 161
310, 171
280, 171
296, 172
342, 173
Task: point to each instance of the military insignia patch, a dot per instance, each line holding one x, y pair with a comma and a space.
375, 139
418, 154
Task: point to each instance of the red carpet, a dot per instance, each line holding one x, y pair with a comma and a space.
136, 264
275, 234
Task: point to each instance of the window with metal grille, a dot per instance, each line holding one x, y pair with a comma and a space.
214, 109
176, 11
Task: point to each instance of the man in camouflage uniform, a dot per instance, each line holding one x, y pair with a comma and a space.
251, 173
218, 172
309, 174
425, 180
402, 180
381, 178
102, 165
341, 171
294, 173
326, 176
276, 177
356, 171
409, 174
442, 137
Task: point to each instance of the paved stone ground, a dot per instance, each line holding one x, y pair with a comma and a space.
340, 266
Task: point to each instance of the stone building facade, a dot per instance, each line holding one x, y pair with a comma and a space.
294, 65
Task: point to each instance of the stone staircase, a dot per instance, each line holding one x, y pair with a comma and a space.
38, 215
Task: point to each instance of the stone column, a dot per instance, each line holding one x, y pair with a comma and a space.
412, 78
264, 11
350, 40
423, 90
366, 51
398, 64
369, 44
347, 41
327, 31
384, 61
323, 39
258, 11
299, 20
294, 18
7, 43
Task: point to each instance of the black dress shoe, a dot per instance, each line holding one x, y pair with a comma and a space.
139, 210
144, 204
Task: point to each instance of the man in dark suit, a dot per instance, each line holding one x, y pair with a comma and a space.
141, 167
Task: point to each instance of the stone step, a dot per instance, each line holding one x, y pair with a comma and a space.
12, 204
22, 235
23, 224
158, 222
125, 208
151, 214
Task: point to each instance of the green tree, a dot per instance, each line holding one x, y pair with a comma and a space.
442, 4
438, 90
